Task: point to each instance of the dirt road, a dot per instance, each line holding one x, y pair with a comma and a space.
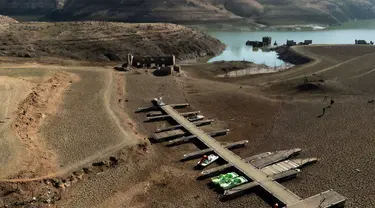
85, 126
12, 91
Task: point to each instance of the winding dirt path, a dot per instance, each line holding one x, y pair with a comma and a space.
12, 91
118, 132
316, 60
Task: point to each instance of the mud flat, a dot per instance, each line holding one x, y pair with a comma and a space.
272, 111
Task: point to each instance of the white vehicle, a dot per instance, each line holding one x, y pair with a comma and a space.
207, 160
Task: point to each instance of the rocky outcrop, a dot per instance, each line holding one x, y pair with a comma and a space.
7, 20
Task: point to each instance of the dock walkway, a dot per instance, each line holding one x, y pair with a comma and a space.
268, 183
262, 173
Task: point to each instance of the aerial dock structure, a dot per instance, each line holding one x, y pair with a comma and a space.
262, 170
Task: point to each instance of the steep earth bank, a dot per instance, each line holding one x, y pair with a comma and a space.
289, 55
104, 41
6, 20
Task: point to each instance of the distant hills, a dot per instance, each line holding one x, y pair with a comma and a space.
270, 12
29, 7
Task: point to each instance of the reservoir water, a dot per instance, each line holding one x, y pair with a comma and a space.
237, 50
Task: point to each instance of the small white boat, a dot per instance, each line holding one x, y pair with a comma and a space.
207, 160
197, 117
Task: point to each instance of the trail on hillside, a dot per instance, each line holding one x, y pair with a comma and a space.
45, 167
42, 101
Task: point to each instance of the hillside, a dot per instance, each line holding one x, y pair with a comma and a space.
28, 7
271, 12
268, 12
6, 20
104, 41
315, 11
142, 11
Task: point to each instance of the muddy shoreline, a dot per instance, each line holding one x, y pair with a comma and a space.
287, 54
268, 110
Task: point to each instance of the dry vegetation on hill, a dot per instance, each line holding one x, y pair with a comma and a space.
7, 20
104, 41
271, 12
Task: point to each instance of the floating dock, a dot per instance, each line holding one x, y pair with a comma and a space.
277, 190
257, 161
260, 170
165, 135
188, 138
200, 153
160, 117
197, 123
281, 170
242, 188
275, 157
326, 199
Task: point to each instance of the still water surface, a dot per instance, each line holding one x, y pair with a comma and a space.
237, 50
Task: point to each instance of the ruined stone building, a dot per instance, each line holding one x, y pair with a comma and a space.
150, 61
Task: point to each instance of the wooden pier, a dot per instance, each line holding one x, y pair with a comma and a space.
200, 153
262, 169
163, 116
188, 138
165, 135
197, 123
242, 188
270, 185
258, 161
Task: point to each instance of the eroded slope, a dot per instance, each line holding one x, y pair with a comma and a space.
104, 41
